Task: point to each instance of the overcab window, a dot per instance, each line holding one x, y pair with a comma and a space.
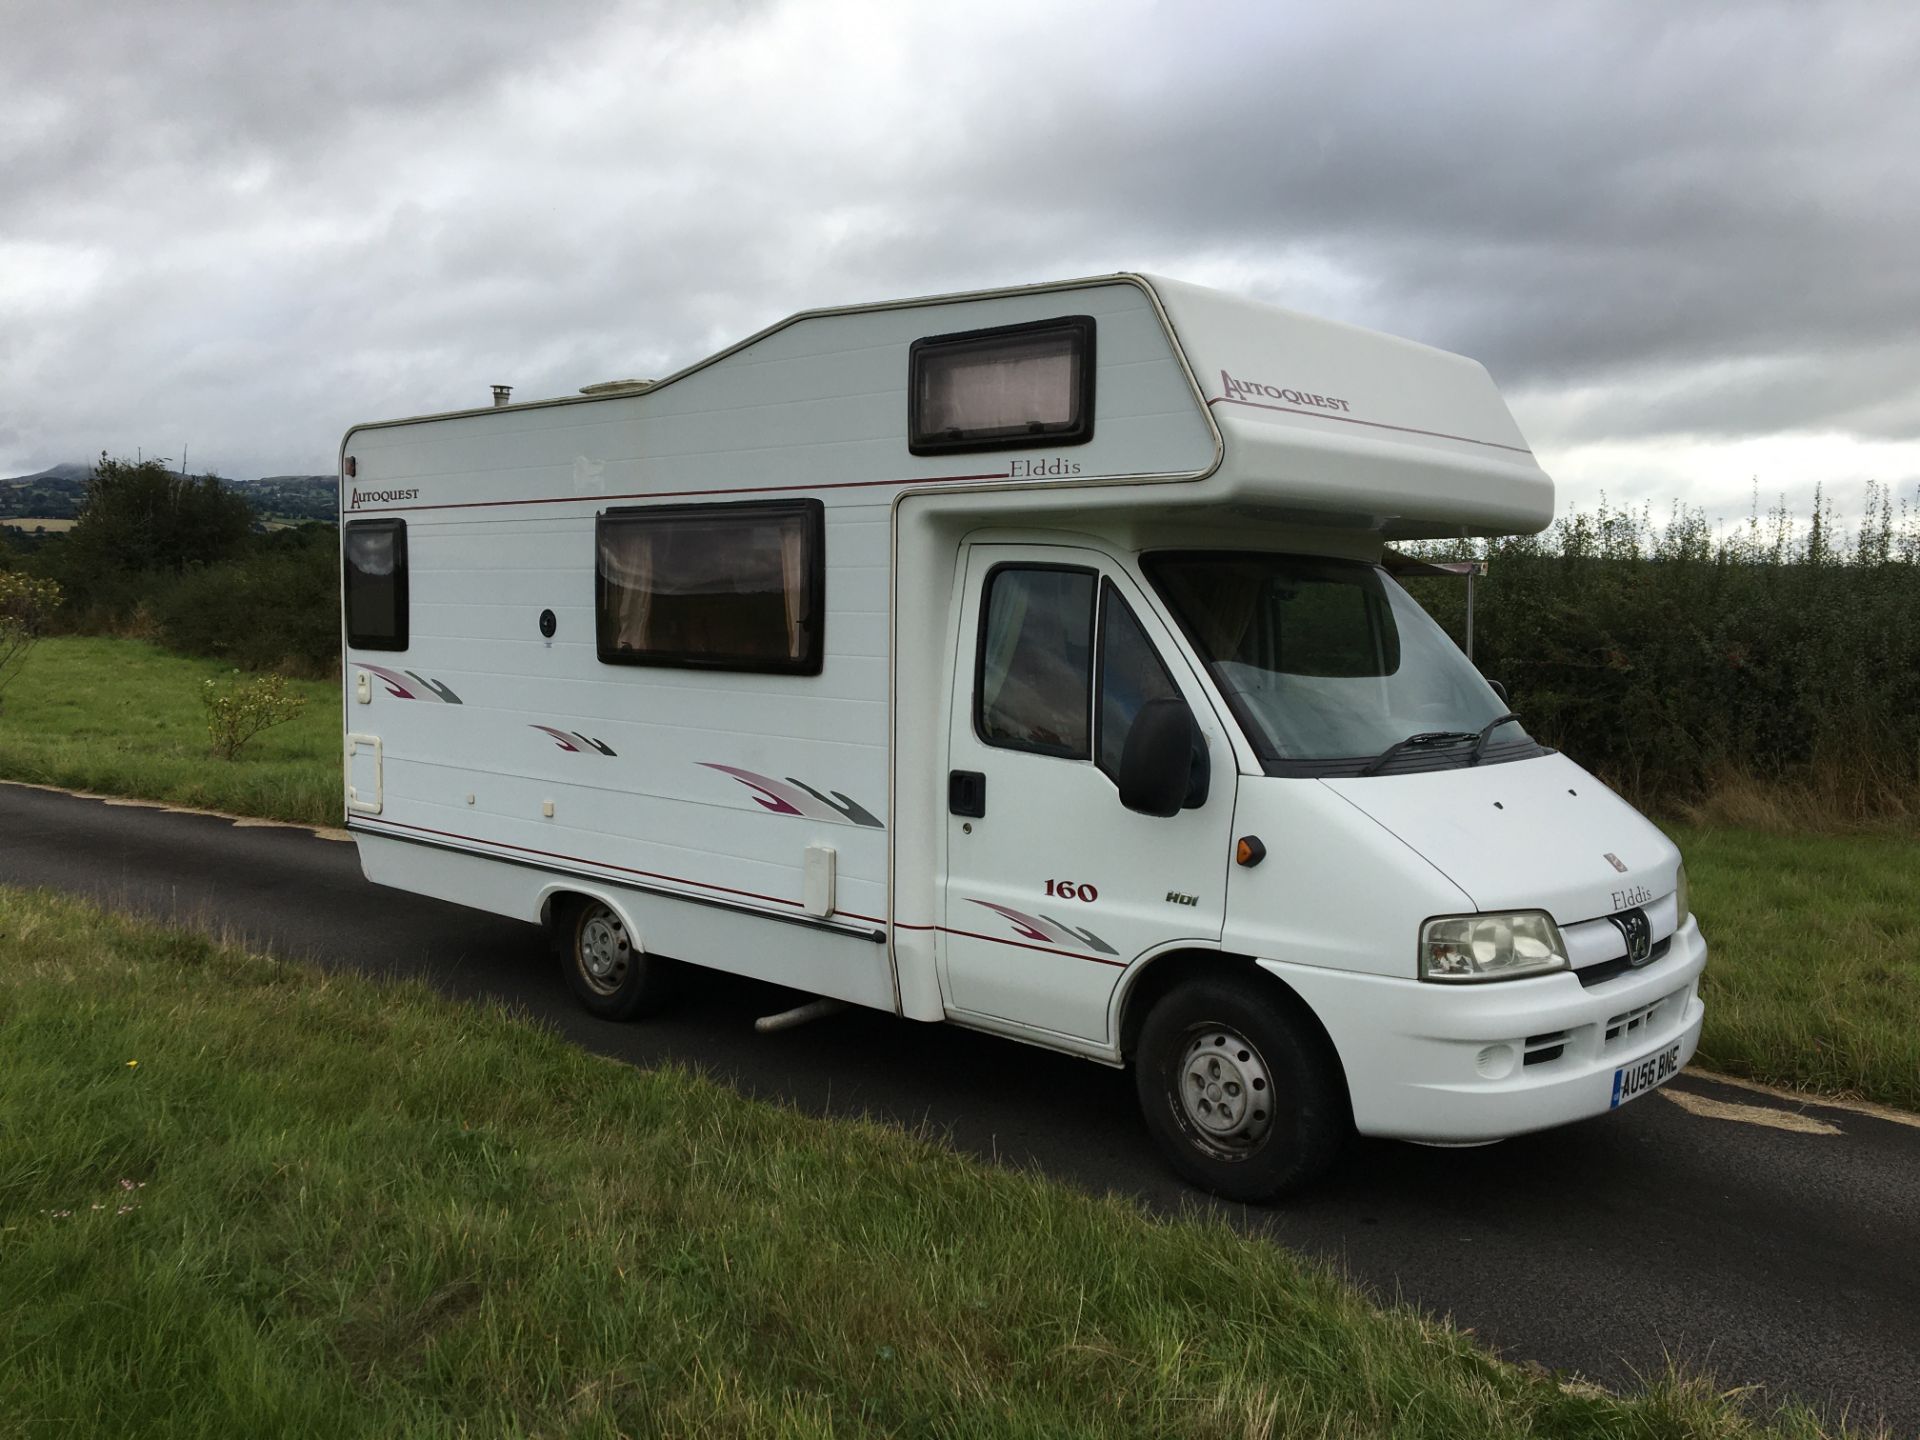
375, 553
1009, 387
717, 587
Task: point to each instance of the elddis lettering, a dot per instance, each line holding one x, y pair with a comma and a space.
1637, 895
1034, 469
381, 497
1236, 389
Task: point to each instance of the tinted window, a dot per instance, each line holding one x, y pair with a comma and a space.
1035, 673
1130, 675
375, 553
1011, 386
725, 587
1327, 662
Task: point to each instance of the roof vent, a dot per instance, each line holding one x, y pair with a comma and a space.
618, 387
502, 394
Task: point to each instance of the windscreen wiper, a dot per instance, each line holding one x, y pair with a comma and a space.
1486, 732
1420, 741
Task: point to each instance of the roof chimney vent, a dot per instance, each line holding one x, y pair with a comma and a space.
502, 394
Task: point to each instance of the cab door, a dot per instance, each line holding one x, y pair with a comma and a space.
1053, 887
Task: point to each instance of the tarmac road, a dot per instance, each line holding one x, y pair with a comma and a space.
1772, 1241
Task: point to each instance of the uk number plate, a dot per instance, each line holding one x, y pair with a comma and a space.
1632, 1081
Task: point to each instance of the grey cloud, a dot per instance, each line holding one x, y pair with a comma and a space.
1655, 220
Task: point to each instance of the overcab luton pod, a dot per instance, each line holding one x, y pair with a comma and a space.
1027, 660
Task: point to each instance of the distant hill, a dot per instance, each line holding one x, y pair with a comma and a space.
53, 473
57, 492
292, 497
52, 494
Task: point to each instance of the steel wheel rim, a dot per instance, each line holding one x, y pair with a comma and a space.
603, 950
1225, 1089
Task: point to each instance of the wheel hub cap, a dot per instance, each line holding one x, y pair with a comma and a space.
605, 951
1226, 1089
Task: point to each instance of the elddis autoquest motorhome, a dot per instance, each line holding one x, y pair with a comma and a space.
1024, 660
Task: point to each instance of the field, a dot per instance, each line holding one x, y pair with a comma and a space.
1814, 978
253, 1199
1814, 982
124, 718
52, 524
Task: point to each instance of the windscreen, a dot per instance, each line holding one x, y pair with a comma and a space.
1324, 660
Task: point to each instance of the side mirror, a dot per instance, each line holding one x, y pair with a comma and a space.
1501, 691
1163, 767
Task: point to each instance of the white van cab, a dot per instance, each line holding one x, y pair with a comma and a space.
1030, 661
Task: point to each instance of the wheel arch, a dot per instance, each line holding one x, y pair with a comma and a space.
556, 898
1147, 983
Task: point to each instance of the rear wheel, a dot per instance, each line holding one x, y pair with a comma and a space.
608, 971
1240, 1088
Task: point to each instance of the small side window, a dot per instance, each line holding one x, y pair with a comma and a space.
714, 587
1034, 674
1010, 387
375, 554
1131, 674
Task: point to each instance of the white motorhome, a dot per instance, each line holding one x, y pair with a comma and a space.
1024, 660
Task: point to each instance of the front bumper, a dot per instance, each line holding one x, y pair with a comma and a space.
1464, 1064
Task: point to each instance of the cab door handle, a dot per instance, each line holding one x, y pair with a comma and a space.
967, 793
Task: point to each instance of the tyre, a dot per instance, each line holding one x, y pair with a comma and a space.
609, 973
1240, 1088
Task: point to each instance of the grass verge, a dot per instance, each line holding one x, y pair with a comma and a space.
124, 718
1813, 981
248, 1198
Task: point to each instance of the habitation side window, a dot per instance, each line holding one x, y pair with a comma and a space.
1033, 681
717, 587
375, 558
1010, 387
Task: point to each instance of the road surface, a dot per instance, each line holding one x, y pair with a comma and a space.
1774, 1242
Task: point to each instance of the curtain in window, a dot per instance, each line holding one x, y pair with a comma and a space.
793, 580
987, 393
1224, 616
626, 558
1006, 617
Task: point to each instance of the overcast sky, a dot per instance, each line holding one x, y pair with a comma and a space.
1685, 238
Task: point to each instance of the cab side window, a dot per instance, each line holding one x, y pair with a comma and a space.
1131, 674
1033, 686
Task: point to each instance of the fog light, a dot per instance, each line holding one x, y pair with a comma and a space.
1495, 1062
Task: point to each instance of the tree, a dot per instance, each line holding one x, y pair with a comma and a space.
27, 603
141, 517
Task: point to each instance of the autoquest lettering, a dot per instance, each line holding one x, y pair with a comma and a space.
381, 497
1240, 389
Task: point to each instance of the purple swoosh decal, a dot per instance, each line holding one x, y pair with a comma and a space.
405, 685
796, 797
1050, 931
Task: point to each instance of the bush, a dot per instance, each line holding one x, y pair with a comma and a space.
26, 606
277, 608
242, 710
1673, 660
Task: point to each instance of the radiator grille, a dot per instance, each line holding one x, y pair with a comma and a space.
1628, 1026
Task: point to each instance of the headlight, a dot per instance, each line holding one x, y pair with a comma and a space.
1490, 947
1682, 902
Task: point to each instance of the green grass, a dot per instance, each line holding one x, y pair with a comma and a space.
1813, 976
1814, 981
124, 718
327, 1206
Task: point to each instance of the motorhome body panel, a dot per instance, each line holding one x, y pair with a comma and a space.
505, 737
1321, 419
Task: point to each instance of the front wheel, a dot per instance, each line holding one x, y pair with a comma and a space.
1240, 1088
606, 968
